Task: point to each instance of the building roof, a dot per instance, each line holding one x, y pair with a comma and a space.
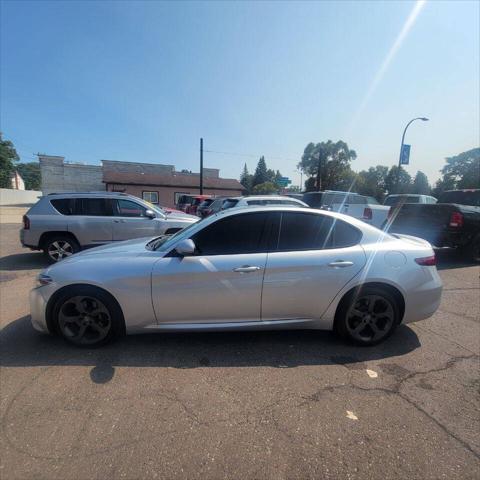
175, 180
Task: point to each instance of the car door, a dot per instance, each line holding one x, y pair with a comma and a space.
315, 256
91, 221
130, 220
222, 282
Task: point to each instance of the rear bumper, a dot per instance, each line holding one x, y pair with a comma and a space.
424, 301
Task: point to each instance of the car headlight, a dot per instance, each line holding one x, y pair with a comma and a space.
44, 279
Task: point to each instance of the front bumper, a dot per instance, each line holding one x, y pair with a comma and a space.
38, 307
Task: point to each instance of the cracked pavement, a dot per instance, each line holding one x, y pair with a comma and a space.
244, 405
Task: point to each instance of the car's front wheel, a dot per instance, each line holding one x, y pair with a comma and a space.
87, 316
367, 316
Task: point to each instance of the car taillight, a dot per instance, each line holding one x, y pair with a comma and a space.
456, 220
367, 213
390, 213
26, 223
427, 261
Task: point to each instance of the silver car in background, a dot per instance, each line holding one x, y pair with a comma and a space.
62, 224
261, 268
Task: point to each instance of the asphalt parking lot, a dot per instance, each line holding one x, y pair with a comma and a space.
240, 405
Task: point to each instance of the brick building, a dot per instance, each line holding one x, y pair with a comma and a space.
157, 183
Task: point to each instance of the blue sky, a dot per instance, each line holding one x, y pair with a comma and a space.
142, 81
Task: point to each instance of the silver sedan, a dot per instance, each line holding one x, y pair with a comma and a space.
251, 268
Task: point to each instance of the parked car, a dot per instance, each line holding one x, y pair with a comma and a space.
204, 206
244, 269
452, 222
395, 199
261, 200
196, 201
353, 204
62, 224
214, 207
184, 201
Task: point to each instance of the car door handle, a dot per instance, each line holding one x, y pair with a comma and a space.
246, 269
340, 264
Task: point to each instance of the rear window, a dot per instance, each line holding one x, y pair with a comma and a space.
65, 206
206, 203
229, 203
304, 231
356, 200
313, 199
394, 201
471, 198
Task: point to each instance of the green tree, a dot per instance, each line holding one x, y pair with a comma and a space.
261, 173
246, 179
265, 188
446, 183
30, 172
346, 181
327, 162
8, 155
404, 181
463, 170
420, 184
372, 181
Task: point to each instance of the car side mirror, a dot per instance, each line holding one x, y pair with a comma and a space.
150, 214
185, 247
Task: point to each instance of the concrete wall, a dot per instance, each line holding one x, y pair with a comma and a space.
18, 197
137, 167
58, 176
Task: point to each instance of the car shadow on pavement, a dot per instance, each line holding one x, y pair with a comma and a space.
23, 261
21, 346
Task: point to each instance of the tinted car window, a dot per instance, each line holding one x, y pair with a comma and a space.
65, 206
97, 207
356, 200
232, 235
299, 231
229, 203
127, 208
313, 199
471, 197
206, 203
217, 205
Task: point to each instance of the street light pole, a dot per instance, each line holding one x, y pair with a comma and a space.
423, 119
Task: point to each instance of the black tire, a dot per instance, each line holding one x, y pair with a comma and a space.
87, 316
58, 247
363, 324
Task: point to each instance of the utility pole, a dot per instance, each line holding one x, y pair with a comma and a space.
201, 166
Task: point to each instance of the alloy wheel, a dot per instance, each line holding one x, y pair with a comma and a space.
370, 318
84, 320
59, 249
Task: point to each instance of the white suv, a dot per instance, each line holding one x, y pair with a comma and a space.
61, 224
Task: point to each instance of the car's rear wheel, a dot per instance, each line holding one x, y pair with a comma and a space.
86, 316
56, 248
368, 316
